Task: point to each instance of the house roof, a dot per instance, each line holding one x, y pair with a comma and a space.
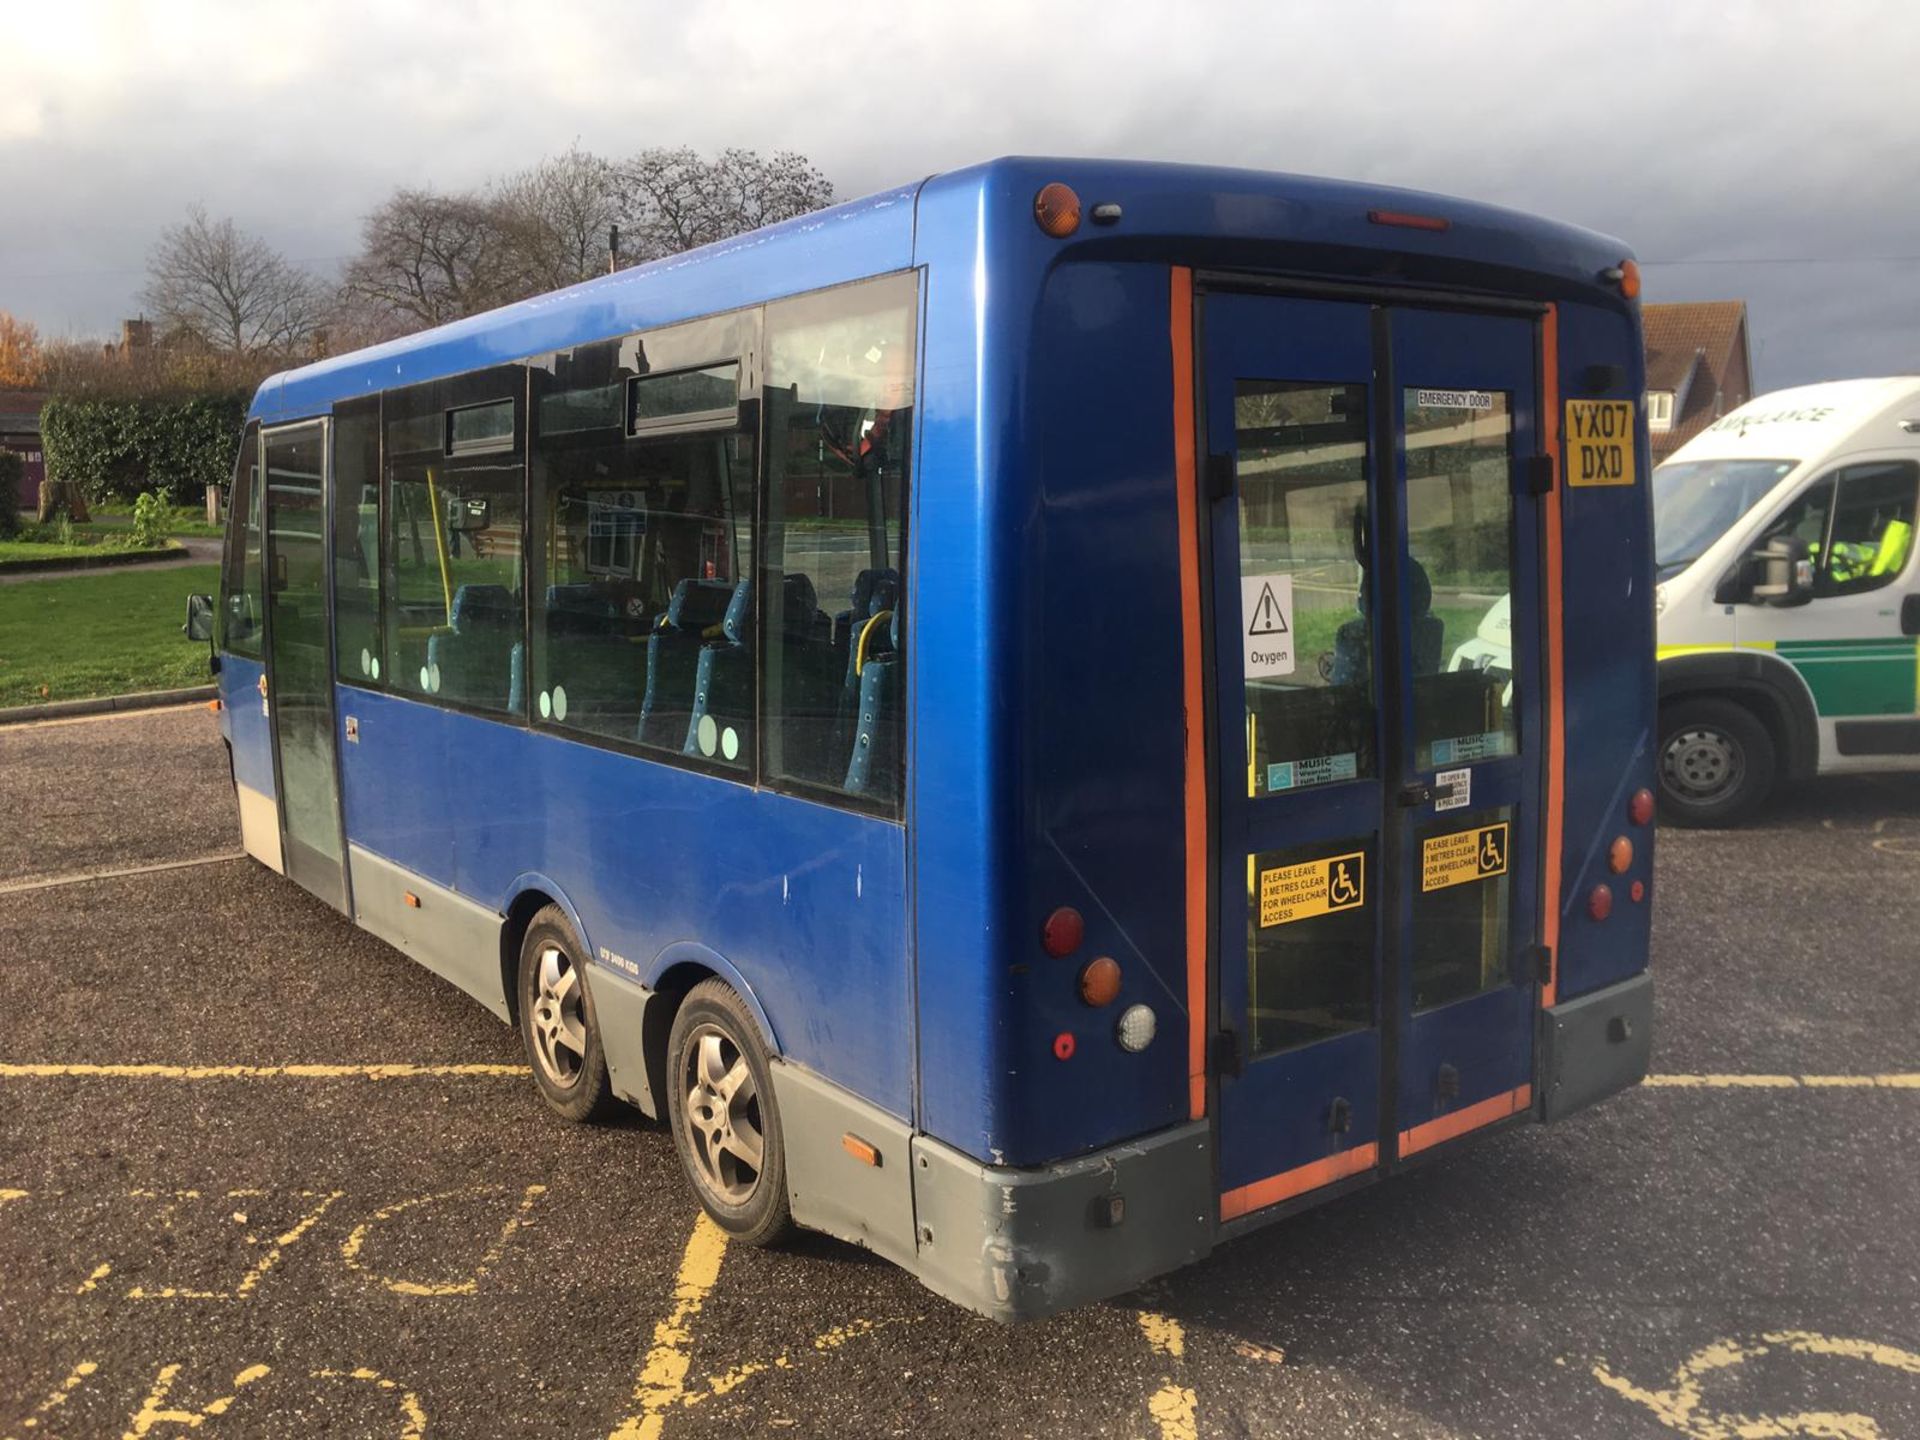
1682, 336
20, 411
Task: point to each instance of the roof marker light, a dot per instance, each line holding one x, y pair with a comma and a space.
1626, 275
1406, 220
1105, 213
1056, 209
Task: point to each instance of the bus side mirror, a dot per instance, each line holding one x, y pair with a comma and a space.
199, 624
1783, 572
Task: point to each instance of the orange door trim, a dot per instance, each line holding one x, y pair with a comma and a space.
1289, 1183
1187, 506
1435, 1132
1552, 823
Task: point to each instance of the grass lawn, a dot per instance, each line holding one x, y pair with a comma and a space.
108, 634
32, 552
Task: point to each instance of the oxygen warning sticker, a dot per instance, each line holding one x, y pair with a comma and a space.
1266, 612
1315, 887
1599, 442
1463, 857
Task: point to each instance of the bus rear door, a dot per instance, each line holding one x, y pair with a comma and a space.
1377, 776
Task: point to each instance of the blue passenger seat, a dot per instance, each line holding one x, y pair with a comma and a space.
723, 682
874, 766
673, 659
472, 662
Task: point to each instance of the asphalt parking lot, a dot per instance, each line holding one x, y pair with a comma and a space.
260, 1175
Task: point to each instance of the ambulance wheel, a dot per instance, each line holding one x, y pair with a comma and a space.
1717, 762
726, 1123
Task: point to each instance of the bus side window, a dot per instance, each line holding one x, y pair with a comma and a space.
1872, 532
833, 574
452, 607
242, 598
356, 541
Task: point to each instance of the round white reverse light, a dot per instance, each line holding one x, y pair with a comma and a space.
1135, 1028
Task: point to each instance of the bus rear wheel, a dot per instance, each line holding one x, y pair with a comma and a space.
726, 1124
1717, 762
556, 1020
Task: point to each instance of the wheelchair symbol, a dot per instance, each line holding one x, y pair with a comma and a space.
1493, 852
1342, 888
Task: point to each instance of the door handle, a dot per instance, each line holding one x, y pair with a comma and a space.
1220, 477
1417, 794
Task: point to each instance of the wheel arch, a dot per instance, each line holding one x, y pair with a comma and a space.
527, 897
673, 974
1765, 685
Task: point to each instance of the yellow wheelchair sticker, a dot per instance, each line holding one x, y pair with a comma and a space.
1463, 857
1314, 887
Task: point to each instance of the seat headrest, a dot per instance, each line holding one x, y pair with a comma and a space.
737, 623
484, 604
697, 604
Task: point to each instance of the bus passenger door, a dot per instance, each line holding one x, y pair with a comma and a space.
1288, 395
299, 679
1376, 740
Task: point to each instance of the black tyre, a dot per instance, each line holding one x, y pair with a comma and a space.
557, 1023
726, 1124
1717, 762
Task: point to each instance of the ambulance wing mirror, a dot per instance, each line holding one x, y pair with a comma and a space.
1782, 572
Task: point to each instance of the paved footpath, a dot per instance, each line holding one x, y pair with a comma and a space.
261, 1176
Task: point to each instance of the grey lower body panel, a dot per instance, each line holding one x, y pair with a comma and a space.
1595, 1046
830, 1185
456, 938
619, 1008
1018, 1244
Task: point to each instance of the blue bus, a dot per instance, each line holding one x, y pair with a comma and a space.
1039, 720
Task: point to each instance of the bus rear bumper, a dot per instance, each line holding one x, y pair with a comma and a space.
1595, 1046
1019, 1244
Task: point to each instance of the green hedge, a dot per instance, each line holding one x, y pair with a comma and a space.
116, 449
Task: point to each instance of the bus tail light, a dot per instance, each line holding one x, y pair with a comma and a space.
1600, 902
1100, 981
1062, 932
1056, 209
1640, 808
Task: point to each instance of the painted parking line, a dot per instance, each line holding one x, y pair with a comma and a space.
33, 1071
82, 877
1897, 1081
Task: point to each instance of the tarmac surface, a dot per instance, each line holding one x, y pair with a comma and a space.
260, 1175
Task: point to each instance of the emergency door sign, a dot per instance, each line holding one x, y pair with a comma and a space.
1266, 625
1600, 442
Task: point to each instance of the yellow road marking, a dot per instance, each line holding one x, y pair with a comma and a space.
1681, 1407
150, 1414
662, 1382
59, 1396
410, 1407
31, 1071
1896, 1081
351, 1246
1173, 1405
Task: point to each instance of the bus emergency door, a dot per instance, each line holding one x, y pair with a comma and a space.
1372, 546
299, 677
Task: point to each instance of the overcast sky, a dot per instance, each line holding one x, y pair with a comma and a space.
1765, 132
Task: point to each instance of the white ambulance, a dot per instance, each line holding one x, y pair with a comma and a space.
1787, 595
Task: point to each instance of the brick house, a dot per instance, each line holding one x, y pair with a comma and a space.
20, 431
1698, 368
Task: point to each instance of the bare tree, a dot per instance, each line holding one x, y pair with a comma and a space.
554, 217
231, 291
431, 258
673, 200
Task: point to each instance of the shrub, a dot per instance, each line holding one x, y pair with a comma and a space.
10, 466
152, 517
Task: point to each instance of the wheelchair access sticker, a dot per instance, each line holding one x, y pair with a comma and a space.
1314, 887
1463, 857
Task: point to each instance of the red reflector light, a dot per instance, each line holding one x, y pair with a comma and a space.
1408, 221
1600, 902
1640, 808
1639, 891
1062, 933
1620, 855
1063, 1046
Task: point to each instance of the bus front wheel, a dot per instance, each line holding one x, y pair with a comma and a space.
556, 1020
726, 1124
1717, 762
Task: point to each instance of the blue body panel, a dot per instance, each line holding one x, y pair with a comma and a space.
244, 724
1045, 719
658, 865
